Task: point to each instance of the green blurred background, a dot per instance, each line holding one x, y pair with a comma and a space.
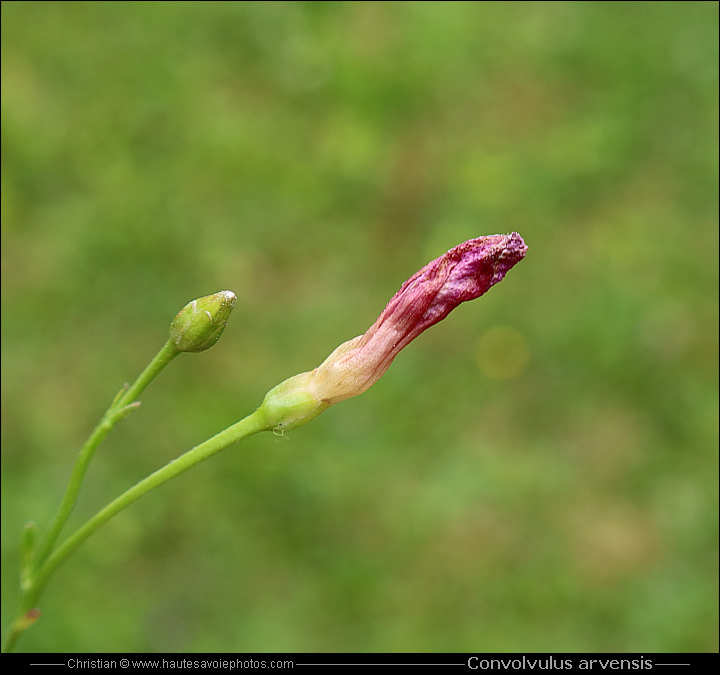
537, 472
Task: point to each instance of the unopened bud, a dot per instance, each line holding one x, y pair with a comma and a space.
463, 273
199, 324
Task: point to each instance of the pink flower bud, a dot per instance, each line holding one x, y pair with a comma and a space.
463, 273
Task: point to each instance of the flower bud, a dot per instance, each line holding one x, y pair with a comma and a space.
199, 325
463, 273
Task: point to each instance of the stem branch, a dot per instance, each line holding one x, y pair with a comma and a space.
117, 410
245, 427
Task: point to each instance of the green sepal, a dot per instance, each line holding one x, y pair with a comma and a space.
291, 404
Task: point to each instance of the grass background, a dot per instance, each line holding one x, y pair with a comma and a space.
538, 472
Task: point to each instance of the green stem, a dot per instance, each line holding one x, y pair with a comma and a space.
121, 406
245, 427
162, 358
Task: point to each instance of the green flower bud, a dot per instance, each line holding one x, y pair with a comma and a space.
199, 324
